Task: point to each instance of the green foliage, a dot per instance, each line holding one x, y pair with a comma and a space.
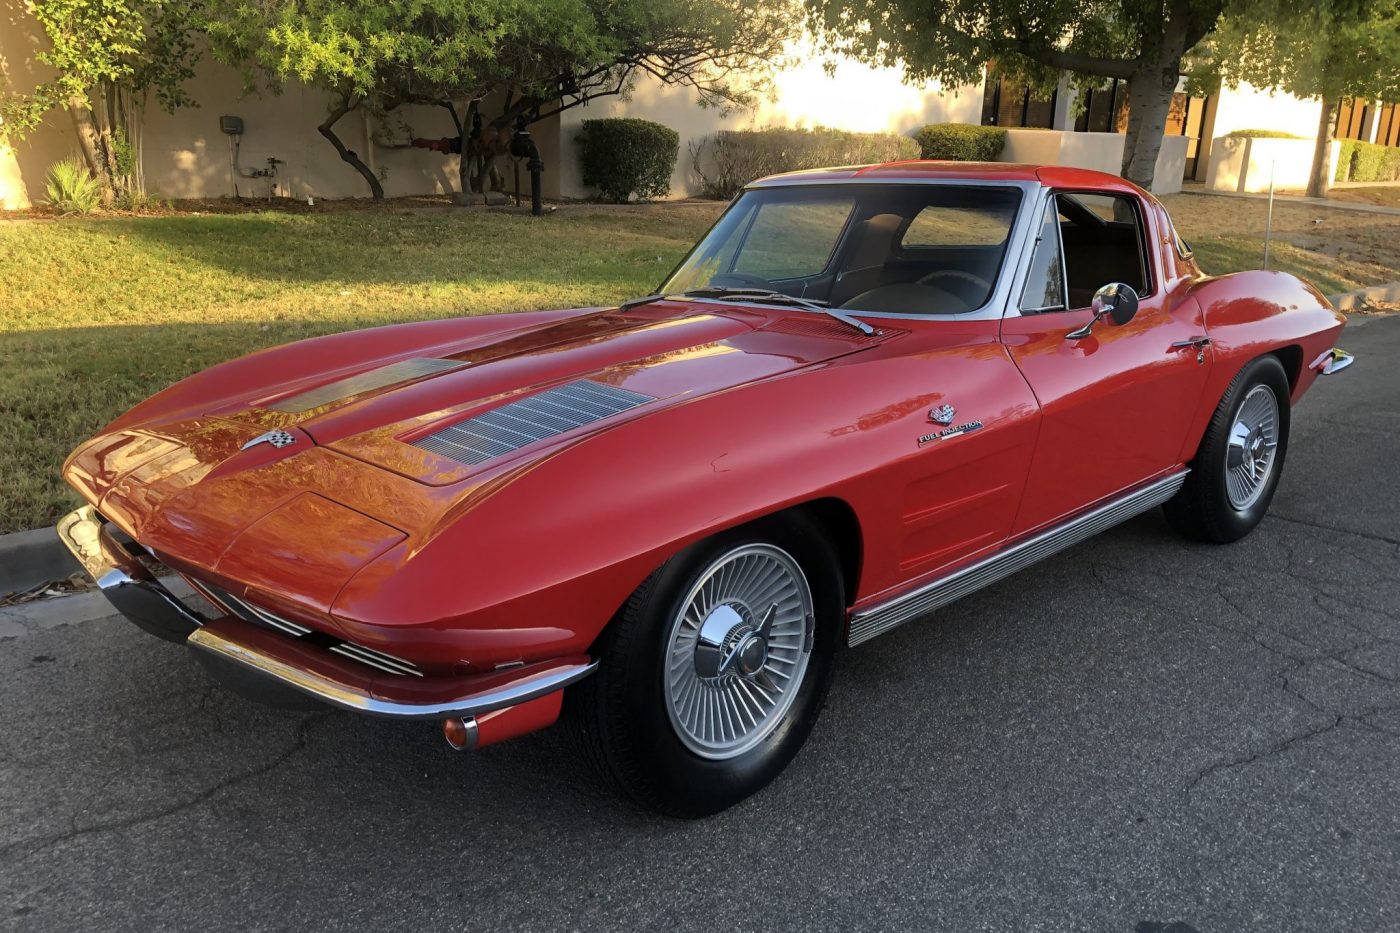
139, 202
961, 142
1263, 134
1346, 150
625, 158
97, 46
728, 160
71, 188
1363, 161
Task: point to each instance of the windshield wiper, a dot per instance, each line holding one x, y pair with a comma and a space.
763, 294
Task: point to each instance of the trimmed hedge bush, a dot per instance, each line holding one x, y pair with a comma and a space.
1263, 134
1361, 161
625, 157
728, 160
961, 142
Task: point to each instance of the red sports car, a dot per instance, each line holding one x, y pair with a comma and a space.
865, 393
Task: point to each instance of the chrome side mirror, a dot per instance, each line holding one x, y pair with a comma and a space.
1115, 301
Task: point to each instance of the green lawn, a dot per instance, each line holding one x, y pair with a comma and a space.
96, 314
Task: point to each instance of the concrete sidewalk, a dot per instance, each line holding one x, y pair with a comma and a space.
1296, 200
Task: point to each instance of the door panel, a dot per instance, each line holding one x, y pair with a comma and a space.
1115, 406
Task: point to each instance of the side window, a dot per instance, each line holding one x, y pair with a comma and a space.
789, 240
1103, 242
1045, 286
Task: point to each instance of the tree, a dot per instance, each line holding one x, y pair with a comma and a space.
953, 41
110, 55
537, 57
1331, 50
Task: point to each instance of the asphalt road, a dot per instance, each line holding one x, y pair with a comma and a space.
1137, 735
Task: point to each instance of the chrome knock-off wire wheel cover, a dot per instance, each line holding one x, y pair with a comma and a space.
1252, 448
738, 650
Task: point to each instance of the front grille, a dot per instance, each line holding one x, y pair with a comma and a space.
402, 371
523, 422
261, 617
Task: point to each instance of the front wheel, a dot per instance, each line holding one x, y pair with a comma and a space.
1240, 460
713, 673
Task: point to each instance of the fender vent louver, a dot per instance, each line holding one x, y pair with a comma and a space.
527, 420
393, 374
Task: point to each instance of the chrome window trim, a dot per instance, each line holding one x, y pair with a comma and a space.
1023, 277
1002, 291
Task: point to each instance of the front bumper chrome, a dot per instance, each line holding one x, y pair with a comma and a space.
269, 665
122, 577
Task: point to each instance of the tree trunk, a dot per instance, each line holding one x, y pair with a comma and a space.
344, 107
1320, 180
468, 154
81, 113
1149, 101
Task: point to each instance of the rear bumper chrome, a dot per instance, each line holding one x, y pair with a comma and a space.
1333, 361
275, 667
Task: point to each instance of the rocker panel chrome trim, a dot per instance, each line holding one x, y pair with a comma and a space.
877, 620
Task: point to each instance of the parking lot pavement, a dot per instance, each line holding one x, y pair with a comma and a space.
1134, 734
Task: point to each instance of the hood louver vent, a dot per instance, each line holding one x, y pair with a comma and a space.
393, 374
527, 420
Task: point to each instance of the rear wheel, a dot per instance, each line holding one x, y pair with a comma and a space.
1240, 460
714, 672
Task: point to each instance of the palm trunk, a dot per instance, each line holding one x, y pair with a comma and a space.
1320, 180
348, 155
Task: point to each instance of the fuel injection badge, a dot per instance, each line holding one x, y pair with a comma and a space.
944, 414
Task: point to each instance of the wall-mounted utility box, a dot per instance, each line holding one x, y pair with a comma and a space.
232, 126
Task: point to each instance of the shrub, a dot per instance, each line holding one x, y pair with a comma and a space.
71, 188
139, 202
1362, 161
626, 157
1344, 156
961, 142
728, 160
1263, 134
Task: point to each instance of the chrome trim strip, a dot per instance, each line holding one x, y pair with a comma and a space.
531, 686
384, 662
877, 620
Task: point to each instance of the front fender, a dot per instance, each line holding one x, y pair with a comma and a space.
537, 568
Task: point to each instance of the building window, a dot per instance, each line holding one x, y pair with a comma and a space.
1352, 117
1105, 109
1388, 131
1009, 102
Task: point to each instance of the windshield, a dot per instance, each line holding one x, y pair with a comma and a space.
902, 249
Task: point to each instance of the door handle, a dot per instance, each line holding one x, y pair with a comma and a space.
1195, 343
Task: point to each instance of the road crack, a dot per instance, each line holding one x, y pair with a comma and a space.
27, 848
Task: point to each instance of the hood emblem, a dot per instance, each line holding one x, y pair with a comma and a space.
943, 414
278, 439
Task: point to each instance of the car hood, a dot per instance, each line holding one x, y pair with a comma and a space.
193, 484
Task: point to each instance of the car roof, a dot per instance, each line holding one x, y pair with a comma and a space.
920, 170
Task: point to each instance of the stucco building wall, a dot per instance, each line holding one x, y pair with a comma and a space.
852, 97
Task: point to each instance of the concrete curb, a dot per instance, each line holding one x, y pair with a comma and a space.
1389, 293
42, 615
29, 558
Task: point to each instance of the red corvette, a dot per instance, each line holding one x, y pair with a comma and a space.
865, 393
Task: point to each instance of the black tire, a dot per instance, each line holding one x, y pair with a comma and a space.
620, 715
1202, 510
